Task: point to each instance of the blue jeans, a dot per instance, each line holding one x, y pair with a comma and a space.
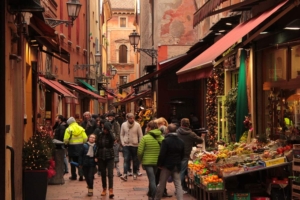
130, 152
183, 173
151, 171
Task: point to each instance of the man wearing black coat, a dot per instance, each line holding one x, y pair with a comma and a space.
89, 123
169, 161
59, 133
60, 128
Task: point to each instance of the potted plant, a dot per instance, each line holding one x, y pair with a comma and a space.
38, 165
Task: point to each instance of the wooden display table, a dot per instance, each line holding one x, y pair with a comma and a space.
200, 191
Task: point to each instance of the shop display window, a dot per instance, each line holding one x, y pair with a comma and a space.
295, 61
275, 64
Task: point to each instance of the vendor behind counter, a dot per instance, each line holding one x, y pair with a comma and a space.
201, 132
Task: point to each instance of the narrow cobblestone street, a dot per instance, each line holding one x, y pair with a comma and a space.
130, 190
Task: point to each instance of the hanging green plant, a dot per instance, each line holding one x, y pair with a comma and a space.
230, 107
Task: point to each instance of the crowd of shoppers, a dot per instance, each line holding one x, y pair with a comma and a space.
94, 144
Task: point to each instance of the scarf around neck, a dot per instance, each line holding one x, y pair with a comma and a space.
90, 152
130, 125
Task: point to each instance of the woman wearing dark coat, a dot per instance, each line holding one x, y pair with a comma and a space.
105, 157
87, 161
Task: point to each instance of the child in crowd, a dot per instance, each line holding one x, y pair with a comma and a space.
117, 149
88, 161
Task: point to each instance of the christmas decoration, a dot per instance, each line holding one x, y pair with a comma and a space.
215, 87
248, 125
37, 152
145, 115
230, 106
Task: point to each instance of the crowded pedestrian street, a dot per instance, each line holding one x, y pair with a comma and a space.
130, 190
150, 100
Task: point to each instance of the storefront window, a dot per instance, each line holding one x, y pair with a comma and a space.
234, 78
275, 64
295, 53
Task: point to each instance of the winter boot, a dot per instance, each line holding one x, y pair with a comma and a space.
90, 192
111, 193
103, 192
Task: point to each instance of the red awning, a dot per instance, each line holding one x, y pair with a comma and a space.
41, 27
86, 92
206, 59
199, 74
109, 97
205, 10
59, 88
163, 66
132, 97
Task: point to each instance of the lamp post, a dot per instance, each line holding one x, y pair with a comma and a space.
98, 62
73, 8
134, 39
113, 70
87, 66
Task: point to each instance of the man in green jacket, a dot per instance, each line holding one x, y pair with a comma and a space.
75, 137
148, 152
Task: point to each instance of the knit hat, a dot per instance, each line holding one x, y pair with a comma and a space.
107, 126
71, 120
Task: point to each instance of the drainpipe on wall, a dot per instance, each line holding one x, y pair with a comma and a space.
88, 31
88, 40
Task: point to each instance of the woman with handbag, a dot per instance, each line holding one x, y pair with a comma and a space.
87, 162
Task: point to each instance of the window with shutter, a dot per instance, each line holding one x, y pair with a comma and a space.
123, 54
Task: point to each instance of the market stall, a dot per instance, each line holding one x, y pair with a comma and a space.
246, 171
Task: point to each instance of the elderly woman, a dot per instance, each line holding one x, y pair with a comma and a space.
162, 124
148, 152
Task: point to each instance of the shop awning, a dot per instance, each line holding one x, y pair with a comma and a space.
142, 80
207, 58
163, 66
84, 91
205, 10
197, 75
54, 49
109, 97
209, 9
25, 6
88, 86
41, 27
133, 97
59, 88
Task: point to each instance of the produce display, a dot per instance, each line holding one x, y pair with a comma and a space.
208, 168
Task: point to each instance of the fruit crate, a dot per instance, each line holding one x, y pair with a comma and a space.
296, 191
239, 196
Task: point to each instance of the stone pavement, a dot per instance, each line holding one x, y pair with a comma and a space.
130, 190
